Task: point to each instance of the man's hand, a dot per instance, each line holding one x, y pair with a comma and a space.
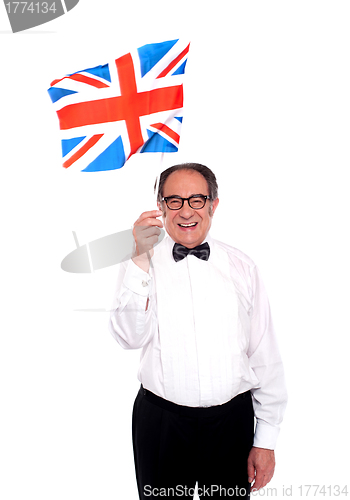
261, 466
146, 232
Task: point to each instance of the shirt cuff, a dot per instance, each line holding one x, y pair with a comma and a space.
265, 435
137, 280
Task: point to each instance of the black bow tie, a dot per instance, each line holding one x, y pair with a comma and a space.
201, 251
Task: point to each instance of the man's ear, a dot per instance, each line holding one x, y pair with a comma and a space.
214, 205
159, 205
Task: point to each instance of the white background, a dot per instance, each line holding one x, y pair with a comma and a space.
267, 108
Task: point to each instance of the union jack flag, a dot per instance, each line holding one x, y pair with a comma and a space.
132, 105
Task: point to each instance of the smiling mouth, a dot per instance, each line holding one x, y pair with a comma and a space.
191, 224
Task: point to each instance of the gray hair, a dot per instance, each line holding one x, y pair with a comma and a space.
196, 167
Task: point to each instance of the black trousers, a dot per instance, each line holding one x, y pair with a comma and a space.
177, 446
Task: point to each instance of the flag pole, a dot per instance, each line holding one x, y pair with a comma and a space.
156, 186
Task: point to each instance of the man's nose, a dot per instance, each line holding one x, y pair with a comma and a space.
186, 211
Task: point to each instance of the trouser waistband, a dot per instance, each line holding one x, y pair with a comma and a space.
195, 411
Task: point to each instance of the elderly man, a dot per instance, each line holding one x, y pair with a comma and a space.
199, 311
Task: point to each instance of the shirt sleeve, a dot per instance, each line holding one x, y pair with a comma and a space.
131, 324
270, 397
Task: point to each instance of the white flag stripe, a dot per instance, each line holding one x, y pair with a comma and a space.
96, 151
154, 72
93, 129
114, 77
145, 83
88, 95
165, 136
74, 85
74, 150
68, 82
163, 117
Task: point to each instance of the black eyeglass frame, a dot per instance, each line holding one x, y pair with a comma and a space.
202, 196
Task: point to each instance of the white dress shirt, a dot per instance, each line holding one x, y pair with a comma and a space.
207, 334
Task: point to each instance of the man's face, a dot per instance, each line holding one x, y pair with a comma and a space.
187, 226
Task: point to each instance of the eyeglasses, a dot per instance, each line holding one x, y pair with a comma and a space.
196, 202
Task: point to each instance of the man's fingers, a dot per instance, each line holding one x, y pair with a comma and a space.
146, 231
251, 471
149, 219
150, 213
146, 234
153, 240
143, 233
145, 238
259, 482
152, 231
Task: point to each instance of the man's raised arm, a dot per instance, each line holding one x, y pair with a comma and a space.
132, 321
